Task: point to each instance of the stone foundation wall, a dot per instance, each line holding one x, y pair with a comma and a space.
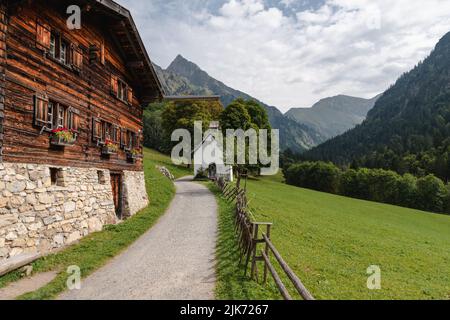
44, 208
134, 192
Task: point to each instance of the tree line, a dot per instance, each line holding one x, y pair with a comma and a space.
427, 193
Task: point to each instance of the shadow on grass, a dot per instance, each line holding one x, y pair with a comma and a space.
231, 282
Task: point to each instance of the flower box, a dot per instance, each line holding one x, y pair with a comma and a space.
133, 155
63, 138
109, 148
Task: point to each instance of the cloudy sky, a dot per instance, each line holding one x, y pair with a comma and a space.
291, 53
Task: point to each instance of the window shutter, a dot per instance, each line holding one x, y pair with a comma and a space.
102, 53
114, 85
74, 120
107, 131
119, 136
77, 58
97, 131
93, 53
41, 114
129, 145
123, 138
115, 136
43, 35
130, 95
138, 141
134, 140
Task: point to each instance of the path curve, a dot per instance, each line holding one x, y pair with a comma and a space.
175, 260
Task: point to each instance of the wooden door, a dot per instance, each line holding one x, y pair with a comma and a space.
116, 185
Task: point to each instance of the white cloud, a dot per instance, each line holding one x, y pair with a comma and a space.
356, 47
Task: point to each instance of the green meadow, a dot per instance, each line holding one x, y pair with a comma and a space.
330, 241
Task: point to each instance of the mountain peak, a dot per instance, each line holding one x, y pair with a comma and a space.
180, 58
183, 66
444, 39
334, 115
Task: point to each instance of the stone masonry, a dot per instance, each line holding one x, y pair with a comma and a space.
44, 208
134, 192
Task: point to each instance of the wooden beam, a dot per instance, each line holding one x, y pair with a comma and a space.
292, 276
135, 64
281, 287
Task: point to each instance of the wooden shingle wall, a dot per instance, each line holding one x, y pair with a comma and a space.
30, 72
3, 26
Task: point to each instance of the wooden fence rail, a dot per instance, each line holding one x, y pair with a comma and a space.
250, 235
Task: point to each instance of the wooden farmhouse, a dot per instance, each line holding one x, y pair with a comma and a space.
71, 106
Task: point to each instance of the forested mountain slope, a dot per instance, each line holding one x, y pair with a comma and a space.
408, 130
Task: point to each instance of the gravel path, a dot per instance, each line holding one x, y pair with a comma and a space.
27, 285
175, 260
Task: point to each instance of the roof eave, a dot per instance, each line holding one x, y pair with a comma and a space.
126, 15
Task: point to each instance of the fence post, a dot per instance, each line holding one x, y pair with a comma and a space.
254, 271
250, 250
266, 250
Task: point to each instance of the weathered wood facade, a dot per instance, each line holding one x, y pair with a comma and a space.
94, 80
3, 28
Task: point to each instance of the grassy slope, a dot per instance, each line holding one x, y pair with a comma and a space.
95, 250
231, 282
330, 241
155, 158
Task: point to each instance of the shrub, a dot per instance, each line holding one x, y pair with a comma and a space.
296, 173
407, 191
349, 185
447, 199
428, 193
326, 177
318, 176
371, 184
363, 180
432, 194
383, 186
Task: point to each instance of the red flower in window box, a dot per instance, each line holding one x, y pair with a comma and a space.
63, 137
110, 147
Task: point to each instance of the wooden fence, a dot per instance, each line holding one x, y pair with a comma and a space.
251, 236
